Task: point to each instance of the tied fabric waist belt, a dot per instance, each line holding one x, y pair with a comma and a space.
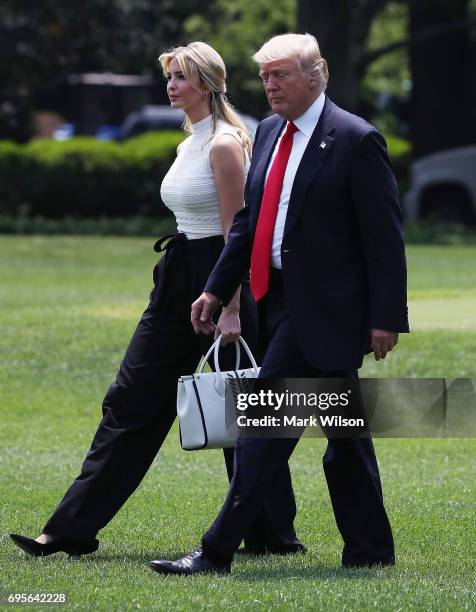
177, 250
174, 258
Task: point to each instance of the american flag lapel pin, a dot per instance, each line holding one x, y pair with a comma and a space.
322, 145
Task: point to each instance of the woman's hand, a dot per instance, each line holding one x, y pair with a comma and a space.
202, 311
228, 325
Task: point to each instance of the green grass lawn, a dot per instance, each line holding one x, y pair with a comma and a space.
68, 307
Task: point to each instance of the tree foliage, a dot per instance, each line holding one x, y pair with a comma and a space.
367, 44
237, 30
40, 42
442, 93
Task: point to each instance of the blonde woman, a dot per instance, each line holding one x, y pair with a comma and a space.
204, 188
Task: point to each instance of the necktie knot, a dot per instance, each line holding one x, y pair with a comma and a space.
290, 129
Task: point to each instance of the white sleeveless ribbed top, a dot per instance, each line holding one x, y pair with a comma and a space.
189, 188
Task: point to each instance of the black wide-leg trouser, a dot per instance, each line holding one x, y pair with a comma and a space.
140, 406
350, 464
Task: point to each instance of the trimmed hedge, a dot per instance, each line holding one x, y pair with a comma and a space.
134, 225
87, 178
423, 232
84, 177
431, 232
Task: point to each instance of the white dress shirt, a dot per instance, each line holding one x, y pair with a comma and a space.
305, 124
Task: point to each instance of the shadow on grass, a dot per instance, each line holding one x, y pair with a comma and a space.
97, 557
117, 557
260, 570
309, 573
260, 567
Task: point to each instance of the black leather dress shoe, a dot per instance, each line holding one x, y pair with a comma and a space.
197, 562
60, 544
289, 549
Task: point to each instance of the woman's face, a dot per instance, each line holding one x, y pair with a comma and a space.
182, 93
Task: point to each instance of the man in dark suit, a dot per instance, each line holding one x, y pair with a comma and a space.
322, 232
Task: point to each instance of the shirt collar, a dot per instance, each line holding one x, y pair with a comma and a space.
308, 120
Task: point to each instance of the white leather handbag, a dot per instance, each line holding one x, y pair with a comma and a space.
207, 419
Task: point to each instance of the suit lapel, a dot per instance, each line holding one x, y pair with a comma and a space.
311, 163
259, 175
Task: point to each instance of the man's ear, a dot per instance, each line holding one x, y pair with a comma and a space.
313, 80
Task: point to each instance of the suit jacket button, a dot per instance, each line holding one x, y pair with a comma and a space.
286, 250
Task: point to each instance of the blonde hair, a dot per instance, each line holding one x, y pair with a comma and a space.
304, 46
202, 65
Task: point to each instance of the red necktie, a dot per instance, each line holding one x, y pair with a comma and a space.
261, 253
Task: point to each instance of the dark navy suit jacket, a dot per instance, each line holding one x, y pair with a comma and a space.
342, 253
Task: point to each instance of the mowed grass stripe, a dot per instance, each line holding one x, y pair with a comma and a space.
450, 313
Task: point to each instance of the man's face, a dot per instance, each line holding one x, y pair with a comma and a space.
289, 91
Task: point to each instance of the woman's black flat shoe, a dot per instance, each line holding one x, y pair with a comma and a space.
32, 547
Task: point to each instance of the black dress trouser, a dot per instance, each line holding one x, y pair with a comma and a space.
350, 464
140, 406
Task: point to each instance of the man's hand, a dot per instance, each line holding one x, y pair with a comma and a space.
202, 311
381, 342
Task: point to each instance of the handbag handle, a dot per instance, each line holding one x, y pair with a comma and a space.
215, 347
